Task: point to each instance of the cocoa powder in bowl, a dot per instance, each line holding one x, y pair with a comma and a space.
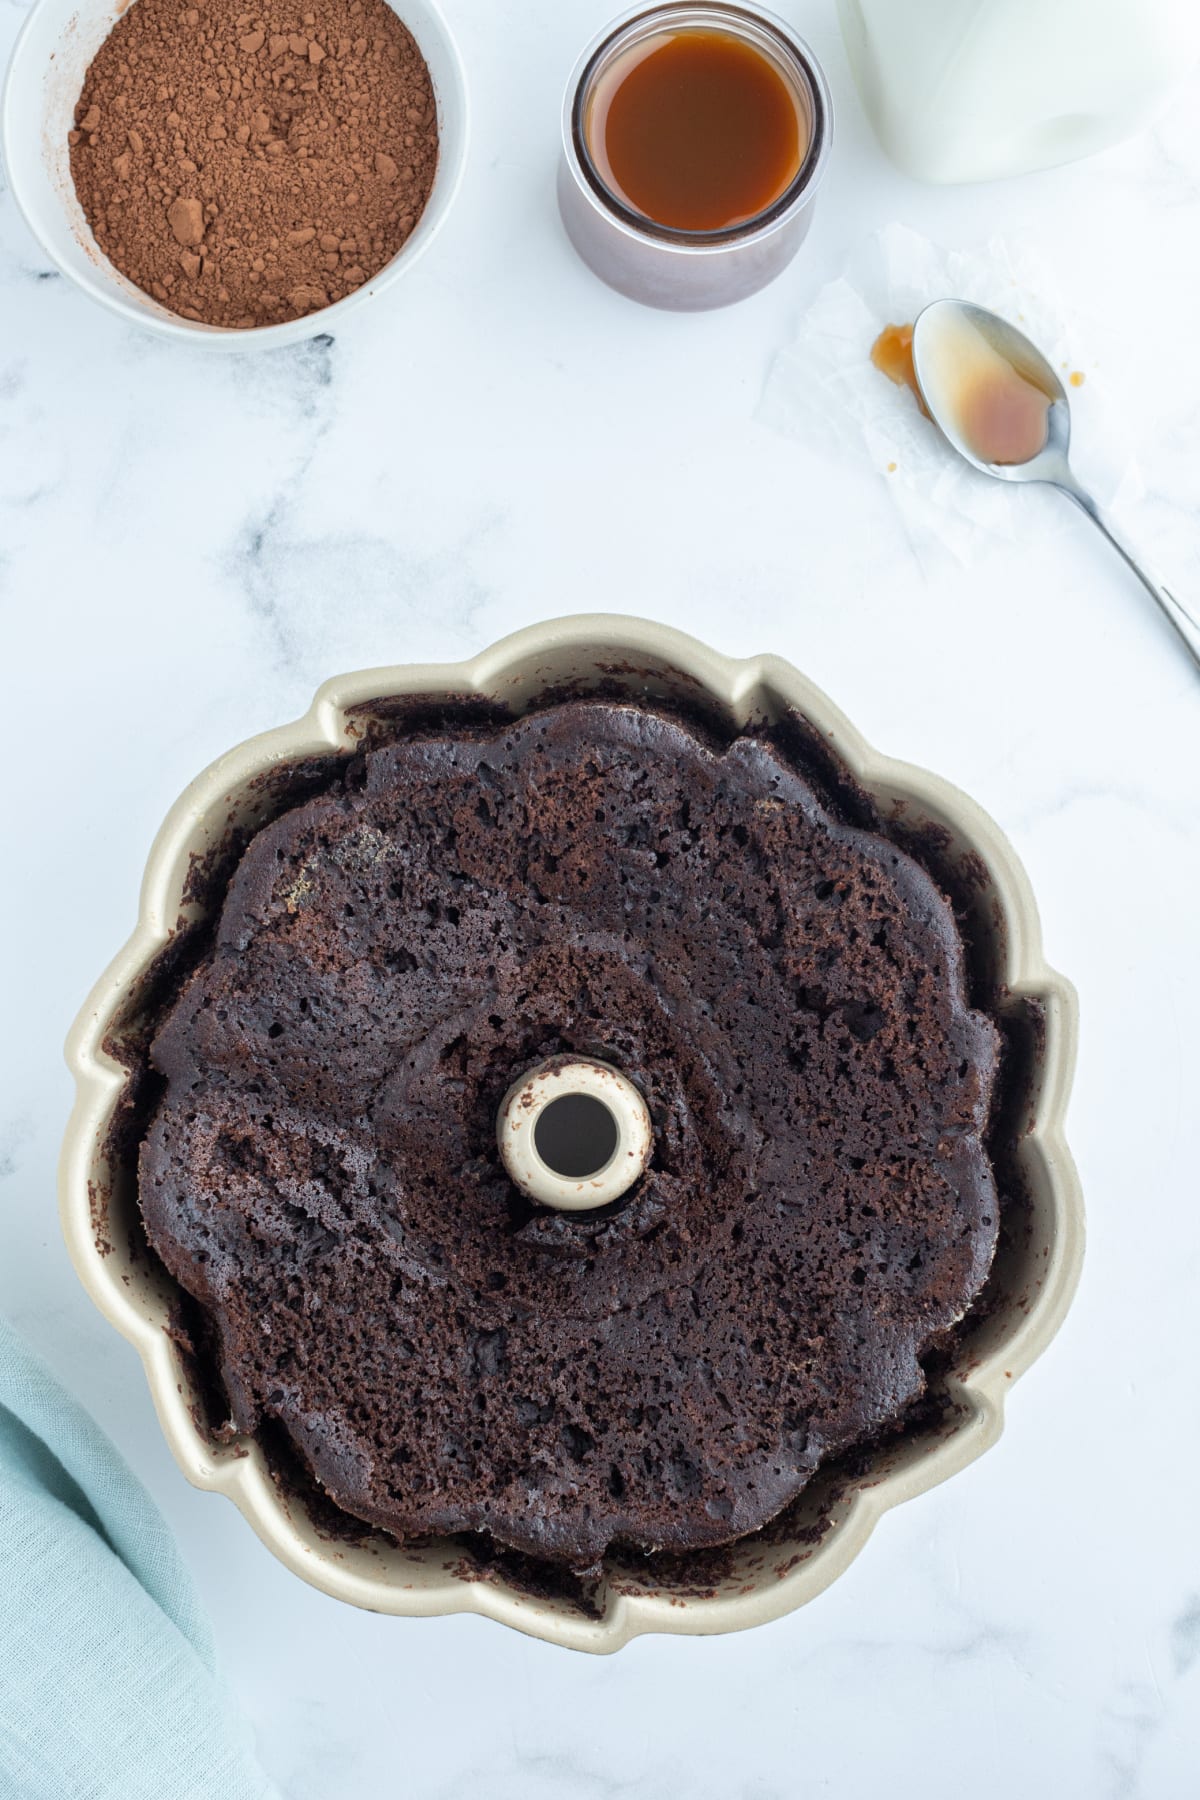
247, 167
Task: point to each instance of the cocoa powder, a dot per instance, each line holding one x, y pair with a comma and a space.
247, 167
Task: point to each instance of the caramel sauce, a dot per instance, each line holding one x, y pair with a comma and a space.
1003, 416
892, 355
1000, 411
697, 130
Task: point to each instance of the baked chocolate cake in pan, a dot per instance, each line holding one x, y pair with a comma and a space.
785, 991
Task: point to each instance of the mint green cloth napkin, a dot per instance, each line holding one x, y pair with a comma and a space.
108, 1684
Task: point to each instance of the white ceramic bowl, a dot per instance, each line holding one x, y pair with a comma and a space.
770, 1573
37, 109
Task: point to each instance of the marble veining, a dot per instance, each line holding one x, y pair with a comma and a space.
189, 544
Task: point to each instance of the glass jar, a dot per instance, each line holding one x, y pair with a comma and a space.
662, 265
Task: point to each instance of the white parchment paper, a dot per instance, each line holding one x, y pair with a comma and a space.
824, 391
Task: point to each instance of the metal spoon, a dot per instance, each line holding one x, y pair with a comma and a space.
940, 334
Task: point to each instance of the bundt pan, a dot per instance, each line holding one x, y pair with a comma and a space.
802, 1551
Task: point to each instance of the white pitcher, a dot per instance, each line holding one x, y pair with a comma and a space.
967, 90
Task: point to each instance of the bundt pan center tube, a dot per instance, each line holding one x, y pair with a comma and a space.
622, 1158
574, 1134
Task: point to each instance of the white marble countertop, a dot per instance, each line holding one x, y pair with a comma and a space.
191, 543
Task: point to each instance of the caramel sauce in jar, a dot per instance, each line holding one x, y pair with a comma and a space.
696, 129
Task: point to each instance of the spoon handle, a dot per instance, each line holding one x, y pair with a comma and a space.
1184, 622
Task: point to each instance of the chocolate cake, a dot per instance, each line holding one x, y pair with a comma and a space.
787, 993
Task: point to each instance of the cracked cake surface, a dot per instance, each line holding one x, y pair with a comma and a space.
321, 1174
